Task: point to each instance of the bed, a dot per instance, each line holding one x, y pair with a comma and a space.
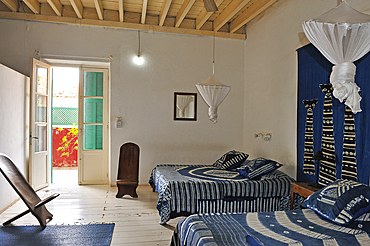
293, 227
338, 214
191, 189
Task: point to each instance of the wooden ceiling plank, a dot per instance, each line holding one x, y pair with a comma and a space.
56, 6
121, 11
34, 5
116, 24
143, 12
77, 7
99, 9
164, 11
11, 4
228, 13
185, 7
204, 15
255, 9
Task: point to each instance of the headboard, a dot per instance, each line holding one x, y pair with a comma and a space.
349, 159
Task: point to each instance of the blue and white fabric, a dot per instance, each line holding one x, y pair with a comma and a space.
230, 160
294, 227
190, 189
341, 201
256, 168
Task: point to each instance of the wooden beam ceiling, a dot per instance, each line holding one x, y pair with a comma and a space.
121, 11
117, 24
185, 7
143, 12
11, 4
204, 15
256, 7
172, 16
99, 9
34, 5
77, 7
164, 11
56, 6
228, 13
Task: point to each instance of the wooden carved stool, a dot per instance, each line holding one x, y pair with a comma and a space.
128, 170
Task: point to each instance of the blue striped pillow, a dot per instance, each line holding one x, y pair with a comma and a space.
341, 201
255, 168
230, 160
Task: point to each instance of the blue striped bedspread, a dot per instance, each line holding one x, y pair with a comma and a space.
294, 227
191, 189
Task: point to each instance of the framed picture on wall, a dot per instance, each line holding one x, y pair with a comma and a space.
185, 106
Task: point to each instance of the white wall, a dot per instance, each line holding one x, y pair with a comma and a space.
14, 126
143, 96
270, 89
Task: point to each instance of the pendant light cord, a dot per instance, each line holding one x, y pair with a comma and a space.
138, 53
214, 44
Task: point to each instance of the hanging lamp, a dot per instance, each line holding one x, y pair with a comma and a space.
213, 91
342, 35
138, 60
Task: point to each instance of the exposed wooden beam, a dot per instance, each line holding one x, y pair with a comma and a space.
34, 5
143, 11
164, 11
56, 6
204, 16
99, 9
256, 7
12, 4
121, 11
116, 24
185, 7
228, 13
77, 7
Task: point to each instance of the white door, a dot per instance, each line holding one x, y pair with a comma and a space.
40, 130
93, 126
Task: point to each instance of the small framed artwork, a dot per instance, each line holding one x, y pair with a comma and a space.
185, 106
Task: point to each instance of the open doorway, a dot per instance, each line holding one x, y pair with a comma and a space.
80, 120
65, 87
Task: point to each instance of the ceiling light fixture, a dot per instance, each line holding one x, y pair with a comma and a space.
139, 60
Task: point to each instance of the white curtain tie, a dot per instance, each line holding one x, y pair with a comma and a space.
342, 78
212, 113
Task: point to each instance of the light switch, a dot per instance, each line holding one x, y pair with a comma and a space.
119, 122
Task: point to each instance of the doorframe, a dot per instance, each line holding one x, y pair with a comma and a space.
32, 154
90, 64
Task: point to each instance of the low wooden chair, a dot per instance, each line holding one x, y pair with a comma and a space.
19, 183
128, 170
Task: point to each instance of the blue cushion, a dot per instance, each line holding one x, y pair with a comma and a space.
255, 168
341, 201
231, 160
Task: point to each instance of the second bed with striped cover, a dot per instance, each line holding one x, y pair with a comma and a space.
192, 189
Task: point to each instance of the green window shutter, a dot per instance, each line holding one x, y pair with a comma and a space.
93, 84
93, 137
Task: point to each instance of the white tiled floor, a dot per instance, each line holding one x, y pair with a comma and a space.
136, 219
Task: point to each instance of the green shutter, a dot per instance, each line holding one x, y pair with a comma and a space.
93, 110
93, 84
93, 137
